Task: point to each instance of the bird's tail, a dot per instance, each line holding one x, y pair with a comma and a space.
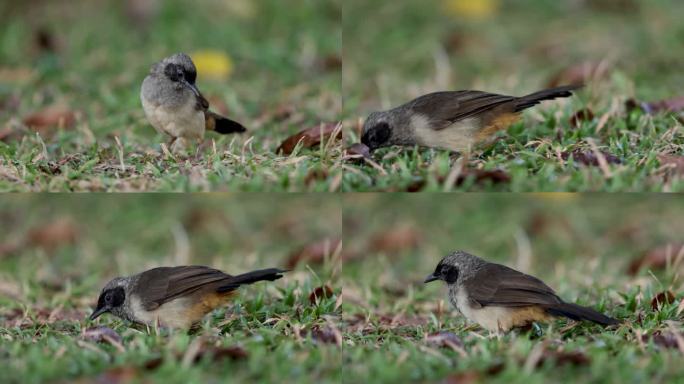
547, 94
219, 124
234, 282
577, 312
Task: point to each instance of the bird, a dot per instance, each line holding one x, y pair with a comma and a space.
174, 297
452, 120
499, 298
174, 106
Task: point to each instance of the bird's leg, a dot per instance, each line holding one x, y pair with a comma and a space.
179, 145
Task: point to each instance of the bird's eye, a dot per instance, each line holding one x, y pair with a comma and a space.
108, 297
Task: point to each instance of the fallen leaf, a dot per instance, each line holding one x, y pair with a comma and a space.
320, 293
663, 339
314, 253
212, 64
103, 334
588, 157
669, 105
444, 340
330, 63
395, 239
656, 258
582, 115
326, 335
666, 297
310, 137
358, 152
56, 115
221, 353
561, 358
579, 74
54, 234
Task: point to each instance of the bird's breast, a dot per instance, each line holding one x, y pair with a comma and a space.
182, 312
496, 318
458, 137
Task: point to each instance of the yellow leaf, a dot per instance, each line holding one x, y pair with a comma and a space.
212, 64
471, 9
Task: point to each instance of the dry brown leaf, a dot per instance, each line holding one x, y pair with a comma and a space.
53, 116
585, 114
309, 137
320, 293
444, 340
663, 339
666, 297
103, 334
54, 234
655, 258
579, 74
358, 152
561, 358
669, 105
395, 239
313, 253
589, 157
326, 335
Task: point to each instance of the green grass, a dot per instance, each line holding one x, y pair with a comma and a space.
517, 50
50, 287
579, 245
278, 50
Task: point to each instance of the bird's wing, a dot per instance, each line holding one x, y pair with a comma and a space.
167, 283
446, 108
499, 285
202, 103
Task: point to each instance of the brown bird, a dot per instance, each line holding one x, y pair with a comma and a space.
174, 297
499, 298
456, 120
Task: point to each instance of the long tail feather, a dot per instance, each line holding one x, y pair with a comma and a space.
269, 274
577, 312
547, 94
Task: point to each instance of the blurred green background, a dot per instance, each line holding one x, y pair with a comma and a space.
592, 235
397, 50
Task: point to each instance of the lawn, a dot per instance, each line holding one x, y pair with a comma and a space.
621, 50
59, 251
269, 64
397, 329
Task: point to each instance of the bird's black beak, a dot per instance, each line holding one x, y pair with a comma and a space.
430, 277
192, 87
98, 312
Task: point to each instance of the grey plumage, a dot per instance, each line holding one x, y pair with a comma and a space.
475, 284
174, 105
455, 120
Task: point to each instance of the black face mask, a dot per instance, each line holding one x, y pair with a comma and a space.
376, 136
